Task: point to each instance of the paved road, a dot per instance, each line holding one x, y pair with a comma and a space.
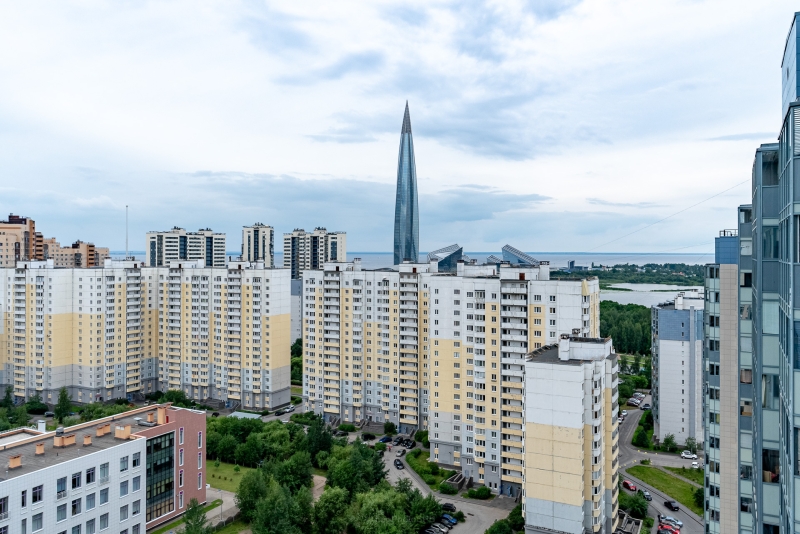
630, 456
479, 517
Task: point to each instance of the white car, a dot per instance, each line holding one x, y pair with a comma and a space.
695, 465
689, 455
624, 413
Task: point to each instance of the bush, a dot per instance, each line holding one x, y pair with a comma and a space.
429, 479
216, 463
641, 439
649, 522
500, 527
367, 436
236, 468
297, 400
699, 497
460, 517
422, 437
347, 427
380, 446
447, 489
481, 493
515, 519
389, 428
645, 462
434, 469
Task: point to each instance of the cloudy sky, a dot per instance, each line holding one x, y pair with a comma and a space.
552, 125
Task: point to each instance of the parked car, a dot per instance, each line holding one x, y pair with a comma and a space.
441, 527
672, 505
633, 402
620, 420
49, 414
669, 519
400, 452
628, 485
449, 507
695, 465
646, 406
451, 519
624, 413
340, 433
646, 495
215, 414
668, 529
398, 440
431, 530
689, 455
385, 439
639, 395
398, 464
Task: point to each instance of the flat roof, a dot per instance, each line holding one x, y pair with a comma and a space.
28, 438
243, 415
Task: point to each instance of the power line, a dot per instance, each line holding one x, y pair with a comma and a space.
668, 217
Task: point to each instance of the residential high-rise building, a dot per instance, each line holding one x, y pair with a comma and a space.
310, 250
79, 254
566, 443
677, 371
725, 379
406, 210
124, 330
130, 472
258, 244
442, 351
177, 244
19, 240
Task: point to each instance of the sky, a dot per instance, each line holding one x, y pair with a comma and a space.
551, 125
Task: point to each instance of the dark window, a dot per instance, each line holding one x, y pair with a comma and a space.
90, 475
770, 464
76, 480
160, 478
37, 494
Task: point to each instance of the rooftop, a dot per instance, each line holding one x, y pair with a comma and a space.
573, 350
24, 441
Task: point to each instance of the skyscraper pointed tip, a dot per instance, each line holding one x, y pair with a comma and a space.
406, 121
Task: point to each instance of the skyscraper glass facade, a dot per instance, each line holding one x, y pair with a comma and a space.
406, 211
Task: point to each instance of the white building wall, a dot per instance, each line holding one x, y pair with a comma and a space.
677, 397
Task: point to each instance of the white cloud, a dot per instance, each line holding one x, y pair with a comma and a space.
619, 113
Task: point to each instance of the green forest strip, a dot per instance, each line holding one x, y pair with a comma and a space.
678, 489
652, 273
628, 325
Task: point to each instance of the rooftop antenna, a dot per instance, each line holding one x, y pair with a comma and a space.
126, 232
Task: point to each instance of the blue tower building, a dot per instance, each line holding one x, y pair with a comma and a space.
406, 211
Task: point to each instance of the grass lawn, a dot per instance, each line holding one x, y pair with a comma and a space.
224, 477
695, 475
234, 528
418, 461
680, 490
297, 390
168, 527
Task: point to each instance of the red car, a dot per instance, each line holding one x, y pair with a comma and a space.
628, 485
666, 527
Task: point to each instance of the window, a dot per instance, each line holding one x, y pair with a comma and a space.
37, 494
103, 472
123, 513
135, 529
61, 487
76, 529
123, 464
180, 478
90, 501
180, 499
61, 512
104, 496
199, 480
103, 521
90, 526
24, 526
137, 483
199, 460
180, 457
24, 499
136, 507
76, 480
180, 436
90, 475
123, 488
36, 523
76, 506
199, 440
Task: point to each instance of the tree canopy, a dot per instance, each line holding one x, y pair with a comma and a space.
628, 325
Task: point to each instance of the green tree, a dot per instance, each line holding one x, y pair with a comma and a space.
35, 405
699, 497
8, 399
251, 488
276, 512
669, 443
638, 506
295, 473
330, 512
691, 444
227, 448
19, 416
250, 452
63, 406
515, 519
177, 397
640, 438
500, 527
297, 360
421, 511
194, 519
389, 428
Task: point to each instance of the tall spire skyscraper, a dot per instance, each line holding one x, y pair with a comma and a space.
406, 211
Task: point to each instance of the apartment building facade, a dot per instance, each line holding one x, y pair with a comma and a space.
311, 250
79, 254
570, 437
19, 240
424, 349
125, 330
677, 370
127, 473
177, 244
258, 244
728, 396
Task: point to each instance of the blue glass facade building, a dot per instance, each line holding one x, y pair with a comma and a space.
406, 210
